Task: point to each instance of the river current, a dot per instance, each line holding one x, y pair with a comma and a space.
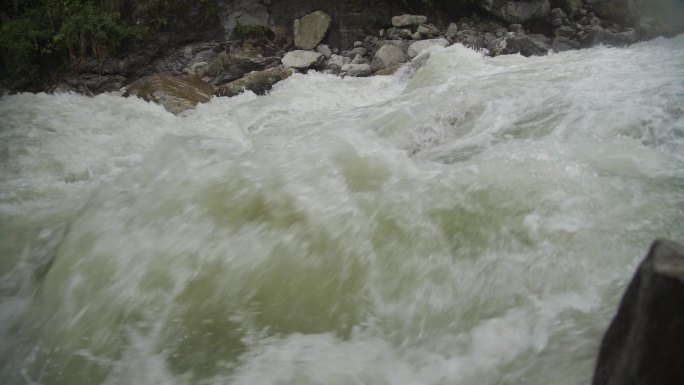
472, 221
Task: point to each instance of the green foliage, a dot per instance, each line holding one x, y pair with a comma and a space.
39, 36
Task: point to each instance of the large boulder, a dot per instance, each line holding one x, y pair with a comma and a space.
259, 82
526, 45
620, 11
388, 55
310, 30
644, 344
175, 93
416, 48
302, 60
519, 11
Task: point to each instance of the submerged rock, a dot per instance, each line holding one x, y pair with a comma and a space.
310, 30
258, 82
644, 343
176, 94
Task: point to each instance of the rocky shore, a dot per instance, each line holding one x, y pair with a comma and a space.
258, 43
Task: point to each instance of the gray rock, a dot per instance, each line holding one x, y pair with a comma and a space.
565, 31
517, 11
358, 59
398, 33
416, 48
451, 31
517, 28
643, 344
600, 36
428, 30
175, 93
356, 51
388, 55
198, 69
556, 22
259, 82
336, 62
302, 60
357, 69
408, 20
358, 44
310, 30
324, 50
620, 11
470, 39
557, 13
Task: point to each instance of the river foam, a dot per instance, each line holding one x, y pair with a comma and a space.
470, 221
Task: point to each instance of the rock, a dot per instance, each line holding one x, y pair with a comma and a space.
391, 70
336, 62
600, 36
451, 31
470, 39
388, 55
198, 69
324, 50
621, 11
428, 30
258, 82
416, 48
517, 28
570, 7
357, 69
517, 11
175, 93
643, 344
565, 31
557, 13
527, 45
408, 20
302, 60
310, 30
358, 44
356, 51
358, 59
228, 67
398, 33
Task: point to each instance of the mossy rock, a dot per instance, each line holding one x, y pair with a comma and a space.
175, 93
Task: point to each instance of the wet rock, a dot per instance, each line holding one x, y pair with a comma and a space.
302, 60
470, 39
527, 45
416, 48
310, 30
336, 62
643, 344
357, 69
517, 11
570, 7
565, 31
388, 55
259, 82
388, 70
408, 20
600, 36
620, 11
175, 93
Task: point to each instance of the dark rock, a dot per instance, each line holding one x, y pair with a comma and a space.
517, 11
176, 94
643, 344
565, 31
621, 11
570, 7
527, 45
258, 82
600, 36
471, 39
398, 33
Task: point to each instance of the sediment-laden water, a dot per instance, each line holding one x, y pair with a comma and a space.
474, 222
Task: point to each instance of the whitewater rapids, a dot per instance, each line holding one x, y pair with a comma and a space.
474, 222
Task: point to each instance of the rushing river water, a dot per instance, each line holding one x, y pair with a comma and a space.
474, 222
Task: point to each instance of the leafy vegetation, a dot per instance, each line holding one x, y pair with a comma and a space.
37, 36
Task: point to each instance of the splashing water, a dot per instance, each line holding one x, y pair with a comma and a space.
473, 222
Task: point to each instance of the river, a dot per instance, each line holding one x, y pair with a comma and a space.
474, 221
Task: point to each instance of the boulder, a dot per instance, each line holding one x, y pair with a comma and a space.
416, 48
428, 30
619, 11
310, 30
600, 36
391, 70
408, 20
571, 7
388, 55
519, 11
302, 60
451, 31
175, 93
336, 62
324, 50
357, 69
643, 344
259, 82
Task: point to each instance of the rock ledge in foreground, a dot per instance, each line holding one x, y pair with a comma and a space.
644, 344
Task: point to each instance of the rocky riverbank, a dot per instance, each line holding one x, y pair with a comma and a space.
260, 43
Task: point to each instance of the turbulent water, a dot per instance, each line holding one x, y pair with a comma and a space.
470, 222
